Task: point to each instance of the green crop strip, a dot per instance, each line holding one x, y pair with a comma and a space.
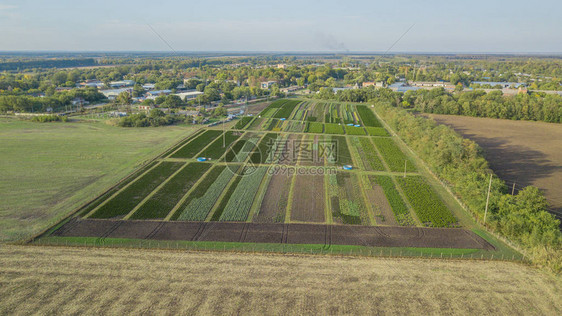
426, 203
286, 109
196, 145
127, 199
218, 212
376, 131
367, 116
370, 153
239, 204
398, 206
314, 127
334, 129
243, 122
343, 155
262, 152
163, 201
216, 149
202, 199
353, 130
392, 155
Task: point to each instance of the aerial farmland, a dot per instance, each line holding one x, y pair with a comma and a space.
306, 174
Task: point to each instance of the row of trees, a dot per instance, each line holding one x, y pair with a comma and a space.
522, 218
57, 102
534, 107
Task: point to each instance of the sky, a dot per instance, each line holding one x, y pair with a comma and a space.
491, 26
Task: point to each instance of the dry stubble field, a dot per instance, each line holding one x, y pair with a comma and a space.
45, 280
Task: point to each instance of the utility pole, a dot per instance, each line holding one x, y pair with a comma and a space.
223, 133
513, 189
488, 199
405, 164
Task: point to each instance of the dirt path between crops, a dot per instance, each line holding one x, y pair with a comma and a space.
380, 236
527, 153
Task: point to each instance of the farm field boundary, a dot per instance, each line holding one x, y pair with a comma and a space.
384, 236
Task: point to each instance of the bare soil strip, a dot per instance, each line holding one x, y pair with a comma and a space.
308, 199
382, 236
274, 203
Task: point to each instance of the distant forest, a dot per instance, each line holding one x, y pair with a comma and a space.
47, 63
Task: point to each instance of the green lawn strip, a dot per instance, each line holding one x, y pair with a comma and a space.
399, 208
376, 131
367, 116
354, 130
128, 198
273, 247
163, 201
287, 109
392, 155
242, 122
238, 206
429, 208
216, 149
225, 197
196, 145
334, 129
371, 156
202, 199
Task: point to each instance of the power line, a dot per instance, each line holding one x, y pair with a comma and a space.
163, 40
391, 46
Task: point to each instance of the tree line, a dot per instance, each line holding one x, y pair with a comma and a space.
522, 218
531, 107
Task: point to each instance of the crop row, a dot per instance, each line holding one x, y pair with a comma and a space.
348, 114
370, 153
240, 203
202, 199
262, 152
243, 122
270, 110
197, 144
426, 203
367, 116
126, 200
334, 129
89, 207
343, 156
220, 145
331, 115
164, 200
354, 130
347, 205
286, 109
392, 155
183, 142
256, 124
218, 211
314, 127
376, 131
398, 206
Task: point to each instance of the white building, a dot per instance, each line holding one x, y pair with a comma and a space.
189, 95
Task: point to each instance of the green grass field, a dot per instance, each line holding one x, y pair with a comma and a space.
49, 169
